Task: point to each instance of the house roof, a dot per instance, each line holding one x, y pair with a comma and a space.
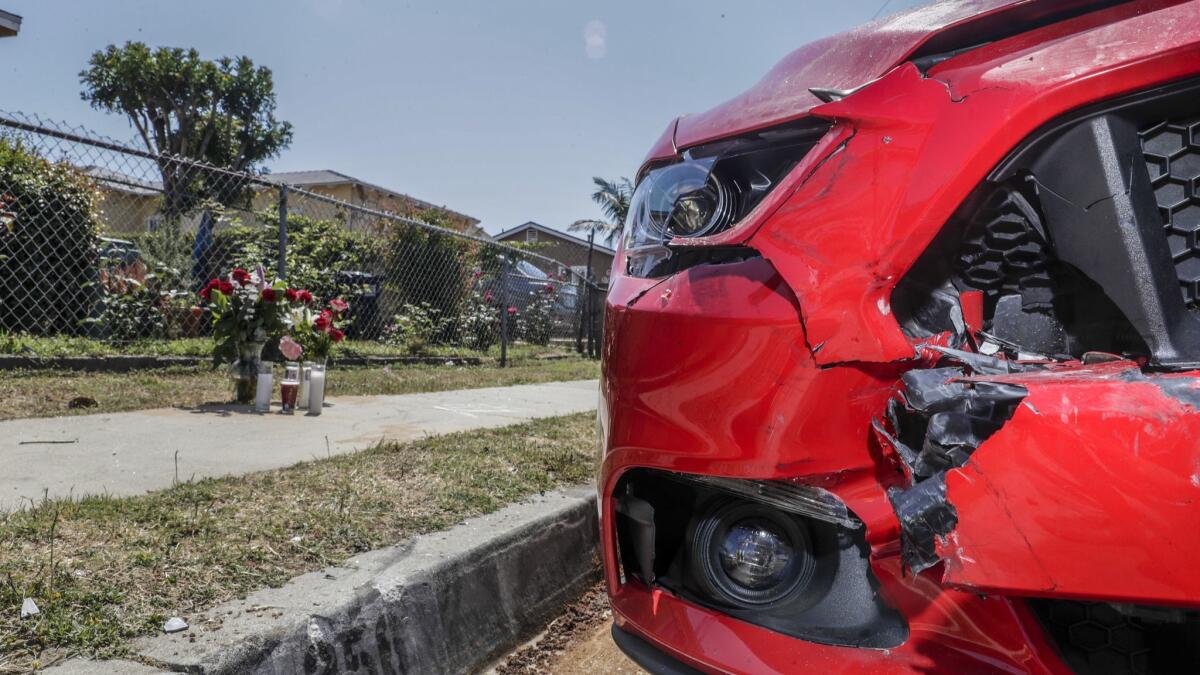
553, 232
9, 24
329, 177
120, 182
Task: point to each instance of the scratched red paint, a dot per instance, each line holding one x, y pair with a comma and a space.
775, 367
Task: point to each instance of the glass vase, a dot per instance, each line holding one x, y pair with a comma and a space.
245, 370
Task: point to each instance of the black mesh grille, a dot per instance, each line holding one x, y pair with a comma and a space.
1107, 639
1172, 151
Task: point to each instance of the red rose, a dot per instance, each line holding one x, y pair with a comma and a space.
197, 311
304, 296
241, 276
512, 310
339, 305
549, 288
487, 297
206, 292
336, 335
269, 295
225, 287
291, 295
321, 323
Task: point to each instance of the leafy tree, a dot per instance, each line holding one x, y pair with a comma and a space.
219, 112
613, 197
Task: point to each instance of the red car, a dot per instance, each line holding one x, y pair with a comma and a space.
902, 354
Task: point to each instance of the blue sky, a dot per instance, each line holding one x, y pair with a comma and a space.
502, 109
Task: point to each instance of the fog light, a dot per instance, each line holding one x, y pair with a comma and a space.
755, 554
751, 554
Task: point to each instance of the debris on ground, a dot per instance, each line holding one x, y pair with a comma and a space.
29, 608
81, 402
174, 625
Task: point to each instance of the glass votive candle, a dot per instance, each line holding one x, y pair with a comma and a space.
289, 387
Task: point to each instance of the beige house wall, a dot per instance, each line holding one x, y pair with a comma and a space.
363, 196
122, 213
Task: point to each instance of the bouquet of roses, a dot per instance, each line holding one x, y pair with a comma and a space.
317, 331
247, 310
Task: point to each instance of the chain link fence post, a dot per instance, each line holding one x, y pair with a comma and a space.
505, 271
283, 231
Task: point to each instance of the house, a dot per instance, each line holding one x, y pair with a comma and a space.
359, 192
127, 205
567, 249
10, 24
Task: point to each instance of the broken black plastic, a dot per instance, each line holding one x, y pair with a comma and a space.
924, 515
938, 420
637, 516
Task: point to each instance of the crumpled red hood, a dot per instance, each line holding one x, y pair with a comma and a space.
853, 58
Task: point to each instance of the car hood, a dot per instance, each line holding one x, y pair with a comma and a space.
848, 60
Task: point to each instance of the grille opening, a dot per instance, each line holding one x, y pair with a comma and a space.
1100, 638
1171, 148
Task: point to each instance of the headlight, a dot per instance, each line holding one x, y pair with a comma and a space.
751, 554
710, 190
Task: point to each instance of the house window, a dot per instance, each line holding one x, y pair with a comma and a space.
531, 236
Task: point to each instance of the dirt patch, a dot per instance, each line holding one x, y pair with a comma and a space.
575, 643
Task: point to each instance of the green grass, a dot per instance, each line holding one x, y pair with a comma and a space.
60, 346
106, 570
47, 393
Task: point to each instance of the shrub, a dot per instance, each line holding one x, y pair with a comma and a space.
48, 243
537, 321
479, 320
317, 251
134, 304
415, 328
425, 266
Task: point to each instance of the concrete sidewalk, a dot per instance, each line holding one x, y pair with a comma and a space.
124, 454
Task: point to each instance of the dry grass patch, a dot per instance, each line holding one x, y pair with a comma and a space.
105, 570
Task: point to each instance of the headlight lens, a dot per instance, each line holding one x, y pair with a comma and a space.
710, 190
750, 554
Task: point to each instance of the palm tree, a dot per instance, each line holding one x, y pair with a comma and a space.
613, 198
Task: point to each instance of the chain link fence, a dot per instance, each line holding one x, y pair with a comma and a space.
106, 241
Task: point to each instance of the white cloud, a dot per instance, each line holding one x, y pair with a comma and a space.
595, 39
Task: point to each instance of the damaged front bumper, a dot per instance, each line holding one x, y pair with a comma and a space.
986, 361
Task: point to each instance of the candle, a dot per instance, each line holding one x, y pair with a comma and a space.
289, 386
305, 373
316, 389
262, 394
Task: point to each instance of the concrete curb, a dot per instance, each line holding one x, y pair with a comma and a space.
125, 364
447, 602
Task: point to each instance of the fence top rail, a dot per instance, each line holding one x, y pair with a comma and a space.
36, 125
